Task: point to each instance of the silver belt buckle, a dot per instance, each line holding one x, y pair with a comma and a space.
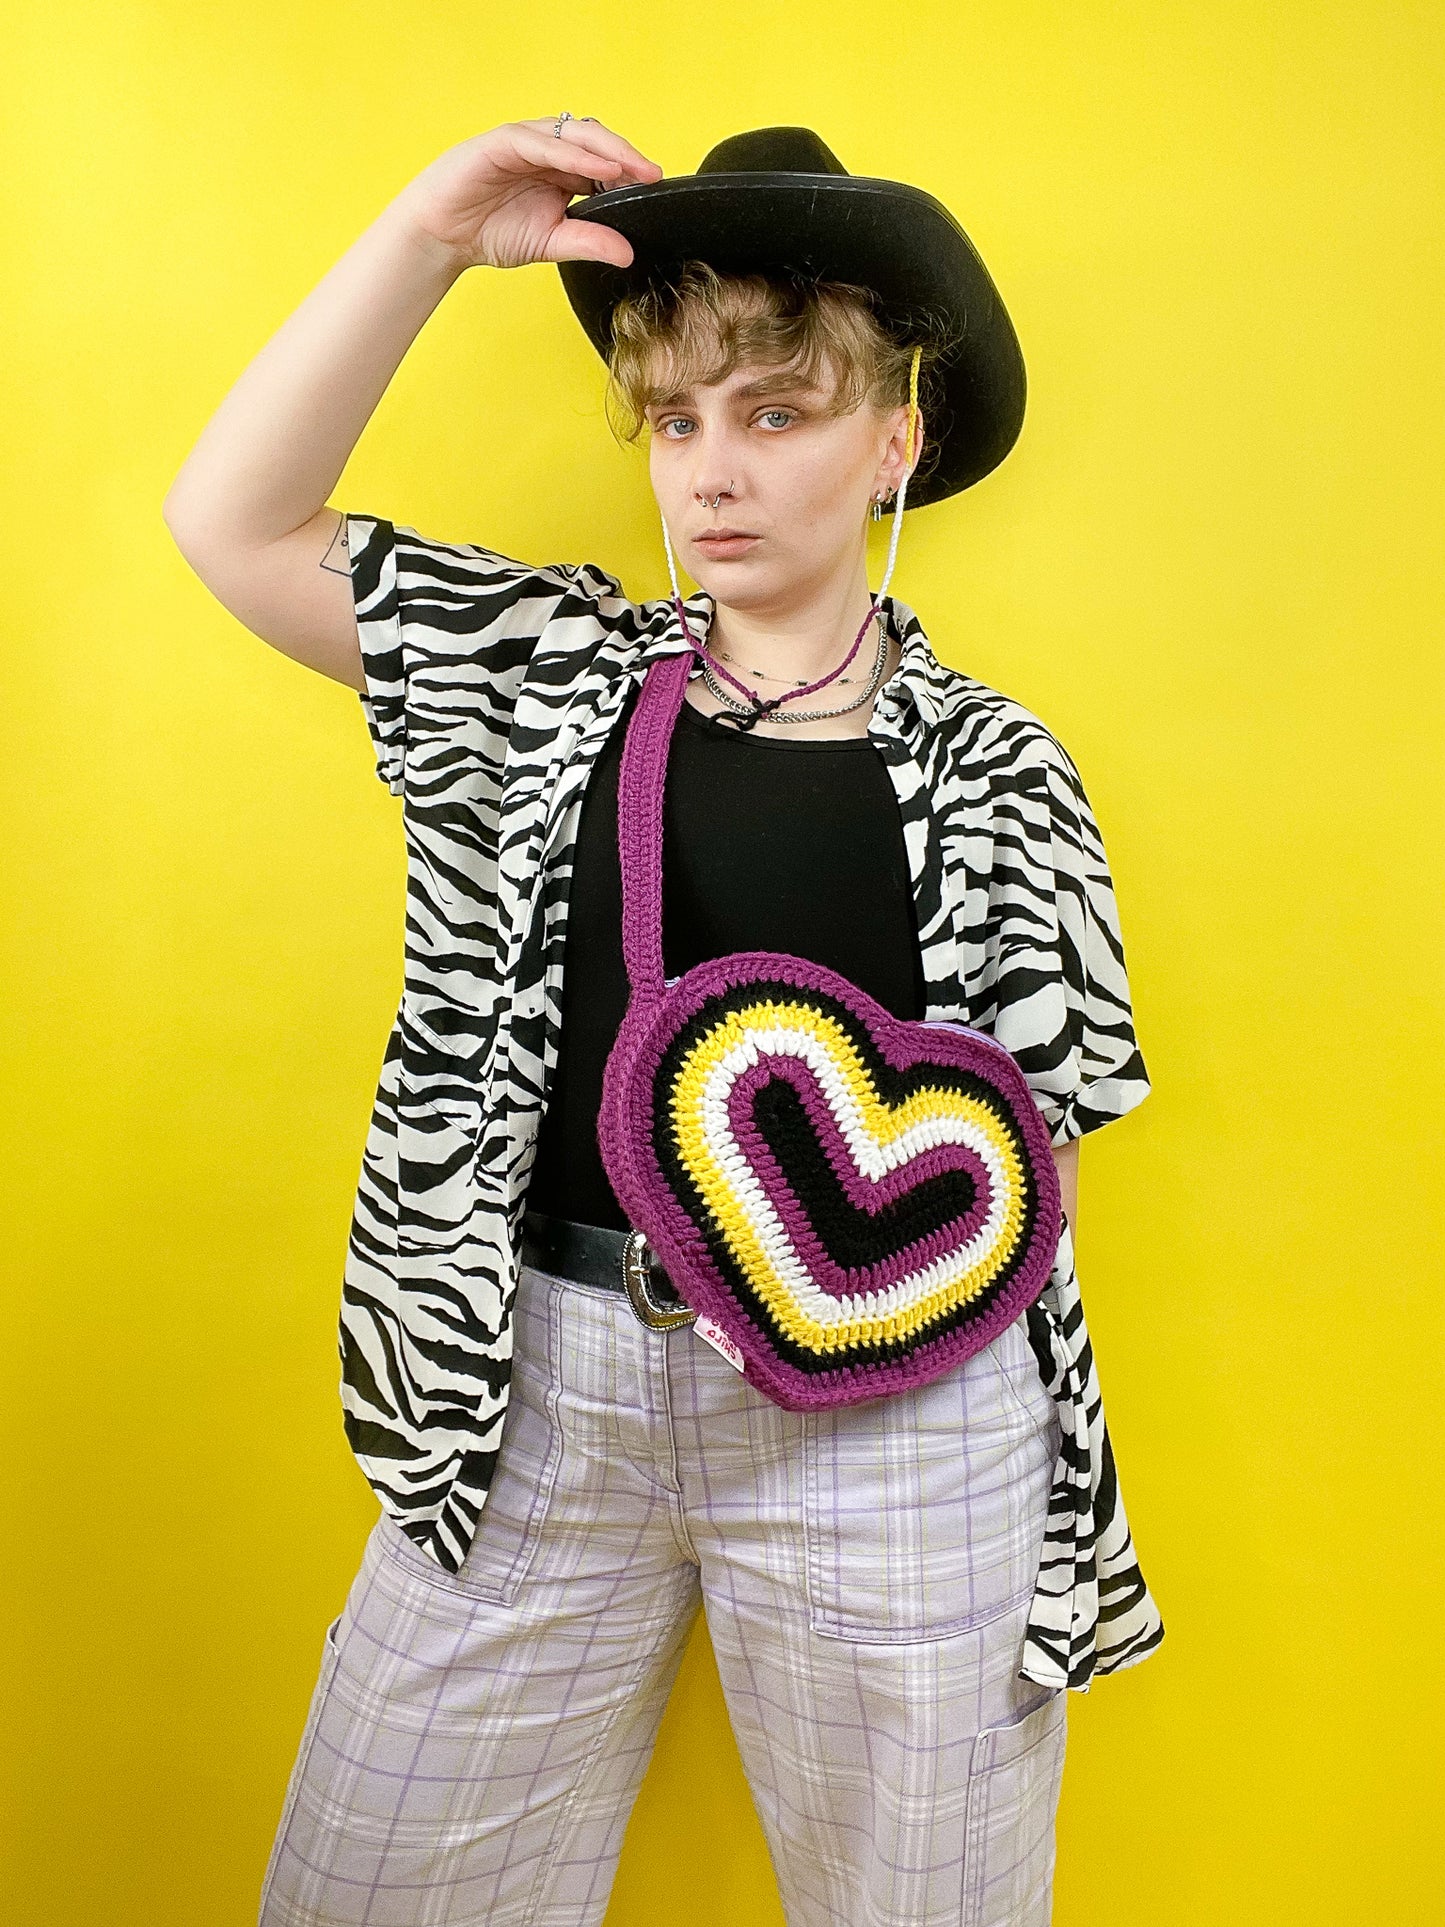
637, 1276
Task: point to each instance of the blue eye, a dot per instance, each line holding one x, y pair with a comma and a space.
784, 412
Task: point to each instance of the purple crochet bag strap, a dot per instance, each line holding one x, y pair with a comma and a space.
726, 1087
640, 782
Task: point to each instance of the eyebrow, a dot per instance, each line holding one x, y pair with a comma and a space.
785, 383
782, 382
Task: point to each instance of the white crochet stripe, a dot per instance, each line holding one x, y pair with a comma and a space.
873, 1159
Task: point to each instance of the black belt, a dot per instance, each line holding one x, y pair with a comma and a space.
595, 1254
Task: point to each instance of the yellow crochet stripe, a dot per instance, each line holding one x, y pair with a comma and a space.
883, 1123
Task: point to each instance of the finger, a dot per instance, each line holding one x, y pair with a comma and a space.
598, 138
603, 140
542, 151
588, 241
595, 173
570, 184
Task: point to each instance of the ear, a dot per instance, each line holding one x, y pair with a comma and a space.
894, 466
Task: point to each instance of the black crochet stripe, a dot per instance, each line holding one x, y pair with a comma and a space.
849, 1235
852, 1237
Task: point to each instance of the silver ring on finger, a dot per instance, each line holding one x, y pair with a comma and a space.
557, 124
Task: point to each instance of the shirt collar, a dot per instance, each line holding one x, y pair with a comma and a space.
919, 677
668, 638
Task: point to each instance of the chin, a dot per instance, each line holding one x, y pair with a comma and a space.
733, 581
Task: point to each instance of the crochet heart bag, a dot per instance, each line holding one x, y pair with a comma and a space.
855, 1202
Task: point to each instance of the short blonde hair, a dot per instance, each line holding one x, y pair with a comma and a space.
697, 329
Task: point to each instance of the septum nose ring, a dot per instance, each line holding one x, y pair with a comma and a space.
717, 498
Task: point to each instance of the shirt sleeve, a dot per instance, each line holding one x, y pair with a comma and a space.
445, 628
1063, 1004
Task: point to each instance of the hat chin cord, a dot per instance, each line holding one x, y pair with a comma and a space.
762, 706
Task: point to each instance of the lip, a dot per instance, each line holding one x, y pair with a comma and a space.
721, 542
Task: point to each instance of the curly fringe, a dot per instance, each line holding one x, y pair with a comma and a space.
696, 329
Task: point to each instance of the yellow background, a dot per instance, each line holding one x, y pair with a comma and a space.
1212, 564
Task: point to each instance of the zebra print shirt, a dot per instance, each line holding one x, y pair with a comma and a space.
491, 688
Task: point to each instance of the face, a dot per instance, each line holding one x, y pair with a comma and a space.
801, 483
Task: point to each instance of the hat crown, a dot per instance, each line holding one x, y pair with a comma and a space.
771, 150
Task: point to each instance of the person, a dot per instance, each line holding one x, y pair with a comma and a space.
898, 1591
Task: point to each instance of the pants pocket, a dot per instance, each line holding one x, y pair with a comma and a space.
1019, 1368
924, 1512
1013, 1795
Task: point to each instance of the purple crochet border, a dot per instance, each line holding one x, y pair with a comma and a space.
658, 1010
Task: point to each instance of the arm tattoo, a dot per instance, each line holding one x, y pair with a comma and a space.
338, 543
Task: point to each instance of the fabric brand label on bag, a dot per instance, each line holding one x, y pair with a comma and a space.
719, 1340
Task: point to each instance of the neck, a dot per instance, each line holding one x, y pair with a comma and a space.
800, 636
801, 641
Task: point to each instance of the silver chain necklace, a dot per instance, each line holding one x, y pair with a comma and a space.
736, 708
758, 675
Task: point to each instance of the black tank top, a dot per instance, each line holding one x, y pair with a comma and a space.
768, 844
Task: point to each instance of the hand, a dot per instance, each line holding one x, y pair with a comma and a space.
500, 199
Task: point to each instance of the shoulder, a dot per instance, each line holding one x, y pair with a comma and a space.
464, 610
990, 731
416, 563
972, 722
430, 571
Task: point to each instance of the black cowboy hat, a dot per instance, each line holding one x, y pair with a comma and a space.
777, 200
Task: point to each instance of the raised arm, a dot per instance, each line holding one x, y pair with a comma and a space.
248, 509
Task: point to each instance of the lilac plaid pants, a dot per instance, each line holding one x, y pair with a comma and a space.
475, 1743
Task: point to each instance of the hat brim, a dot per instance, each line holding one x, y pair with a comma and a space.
893, 239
